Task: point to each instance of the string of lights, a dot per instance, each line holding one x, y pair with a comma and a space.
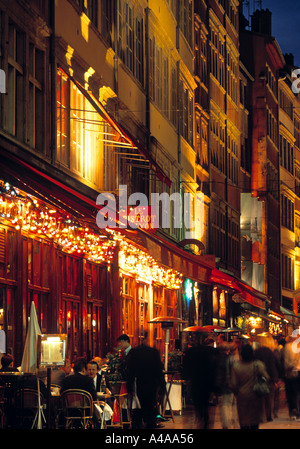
34, 216
26, 213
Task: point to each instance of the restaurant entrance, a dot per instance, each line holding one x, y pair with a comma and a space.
7, 315
96, 341
71, 327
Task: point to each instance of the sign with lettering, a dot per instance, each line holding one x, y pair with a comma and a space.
143, 217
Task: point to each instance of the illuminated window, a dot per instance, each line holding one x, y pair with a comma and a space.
287, 271
119, 29
129, 37
84, 139
186, 19
89, 7
36, 97
139, 50
186, 108
128, 306
173, 112
286, 154
23, 107
107, 20
16, 51
158, 76
287, 212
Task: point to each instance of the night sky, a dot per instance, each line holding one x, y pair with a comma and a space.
285, 23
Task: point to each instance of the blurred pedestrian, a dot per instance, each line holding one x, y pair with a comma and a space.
243, 378
291, 356
145, 378
266, 354
199, 367
227, 398
279, 343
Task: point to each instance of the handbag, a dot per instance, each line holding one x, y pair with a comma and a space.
260, 387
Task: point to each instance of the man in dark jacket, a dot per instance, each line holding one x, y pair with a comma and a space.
79, 380
199, 367
7, 362
93, 371
144, 367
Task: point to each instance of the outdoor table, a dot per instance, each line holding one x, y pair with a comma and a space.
102, 397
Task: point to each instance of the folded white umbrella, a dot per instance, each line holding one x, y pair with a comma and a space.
29, 360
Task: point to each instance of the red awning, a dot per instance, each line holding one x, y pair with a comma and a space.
221, 278
253, 296
245, 291
40, 184
49, 189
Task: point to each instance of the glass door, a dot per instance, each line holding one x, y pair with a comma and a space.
70, 320
96, 346
7, 314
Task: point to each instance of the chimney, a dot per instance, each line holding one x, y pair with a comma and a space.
289, 59
261, 22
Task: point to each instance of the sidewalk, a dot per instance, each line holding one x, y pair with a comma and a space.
187, 420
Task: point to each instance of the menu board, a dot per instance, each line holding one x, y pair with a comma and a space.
52, 349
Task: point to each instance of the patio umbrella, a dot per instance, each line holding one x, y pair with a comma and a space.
232, 329
167, 323
208, 329
29, 360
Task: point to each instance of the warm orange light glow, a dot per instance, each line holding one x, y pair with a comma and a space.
85, 22
140, 263
26, 214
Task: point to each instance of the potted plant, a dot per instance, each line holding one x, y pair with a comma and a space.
175, 361
114, 370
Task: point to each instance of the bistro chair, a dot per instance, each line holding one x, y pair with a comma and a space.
121, 417
77, 407
56, 405
30, 407
2, 405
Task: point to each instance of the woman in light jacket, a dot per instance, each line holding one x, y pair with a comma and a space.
249, 405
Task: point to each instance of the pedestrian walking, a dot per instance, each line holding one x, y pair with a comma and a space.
291, 356
227, 399
243, 376
266, 355
199, 367
145, 380
279, 343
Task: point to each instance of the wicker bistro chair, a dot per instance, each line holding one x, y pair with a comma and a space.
29, 408
77, 407
2, 406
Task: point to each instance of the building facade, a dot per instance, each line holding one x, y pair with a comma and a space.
136, 97
103, 100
